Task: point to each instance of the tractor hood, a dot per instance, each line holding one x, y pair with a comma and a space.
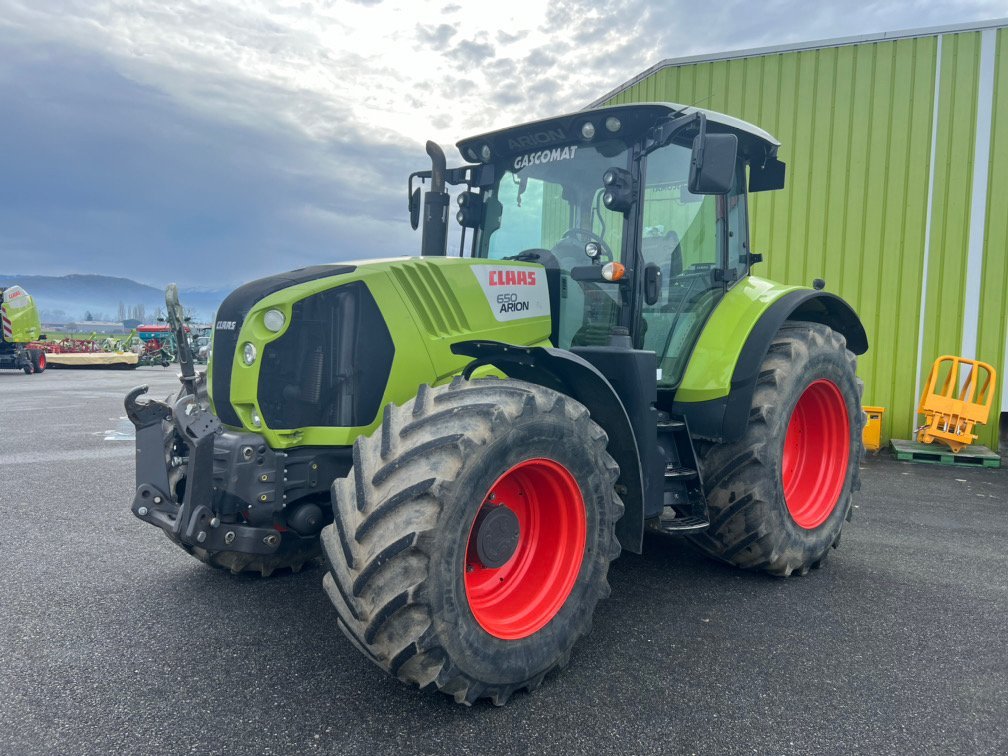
311, 356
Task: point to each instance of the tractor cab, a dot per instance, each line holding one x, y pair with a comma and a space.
638, 212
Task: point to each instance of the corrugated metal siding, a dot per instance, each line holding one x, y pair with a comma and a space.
993, 329
950, 210
855, 127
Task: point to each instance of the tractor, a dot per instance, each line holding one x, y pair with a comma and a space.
469, 441
20, 332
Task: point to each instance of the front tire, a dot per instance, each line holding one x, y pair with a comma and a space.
473, 538
779, 496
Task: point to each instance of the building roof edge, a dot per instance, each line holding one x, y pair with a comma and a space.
799, 47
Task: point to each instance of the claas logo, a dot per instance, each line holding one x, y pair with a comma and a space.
512, 278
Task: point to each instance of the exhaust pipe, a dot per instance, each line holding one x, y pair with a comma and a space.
435, 228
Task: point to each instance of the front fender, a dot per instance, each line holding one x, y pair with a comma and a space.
563, 371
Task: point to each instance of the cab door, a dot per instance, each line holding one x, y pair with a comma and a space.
698, 243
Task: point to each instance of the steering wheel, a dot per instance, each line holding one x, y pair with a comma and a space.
581, 235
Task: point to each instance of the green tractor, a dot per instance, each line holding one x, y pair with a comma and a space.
470, 441
20, 328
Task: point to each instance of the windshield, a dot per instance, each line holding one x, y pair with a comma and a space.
552, 199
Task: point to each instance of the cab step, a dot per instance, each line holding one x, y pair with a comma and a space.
675, 472
671, 521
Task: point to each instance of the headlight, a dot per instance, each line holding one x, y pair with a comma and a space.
248, 353
274, 320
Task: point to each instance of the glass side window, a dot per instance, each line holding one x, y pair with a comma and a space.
551, 200
531, 215
738, 223
683, 233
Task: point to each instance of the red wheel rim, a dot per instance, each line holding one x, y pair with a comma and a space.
521, 596
41, 361
816, 452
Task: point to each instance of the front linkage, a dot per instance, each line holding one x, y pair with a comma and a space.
221, 495
224, 496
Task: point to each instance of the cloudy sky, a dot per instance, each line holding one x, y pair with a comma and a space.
211, 142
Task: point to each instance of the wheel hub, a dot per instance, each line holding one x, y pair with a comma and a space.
497, 534
525, 549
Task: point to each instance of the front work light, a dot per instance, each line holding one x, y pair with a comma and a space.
470, 209
619, 191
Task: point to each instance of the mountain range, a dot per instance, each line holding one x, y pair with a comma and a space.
74, 297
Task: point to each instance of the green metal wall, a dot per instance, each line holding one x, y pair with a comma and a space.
992, 336
855, 123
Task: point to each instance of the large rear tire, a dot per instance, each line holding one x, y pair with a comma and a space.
780, 495
472, 540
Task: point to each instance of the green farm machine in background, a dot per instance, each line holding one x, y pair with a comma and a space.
470, 441
19, 328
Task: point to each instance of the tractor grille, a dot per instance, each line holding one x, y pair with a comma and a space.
232, 314
331, 366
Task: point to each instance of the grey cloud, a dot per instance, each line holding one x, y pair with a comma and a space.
441, 122
506, 39
500, 68
540, 61
436, 35
507, 94
473, 53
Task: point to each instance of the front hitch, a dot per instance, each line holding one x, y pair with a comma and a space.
175, 452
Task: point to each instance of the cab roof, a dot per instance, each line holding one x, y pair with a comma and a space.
754, 142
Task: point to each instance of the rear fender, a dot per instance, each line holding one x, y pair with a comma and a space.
725, 419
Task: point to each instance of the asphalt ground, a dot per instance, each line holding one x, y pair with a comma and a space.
112, 640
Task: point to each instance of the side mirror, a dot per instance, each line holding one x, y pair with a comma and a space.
652, 284
712, 167
414, 208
